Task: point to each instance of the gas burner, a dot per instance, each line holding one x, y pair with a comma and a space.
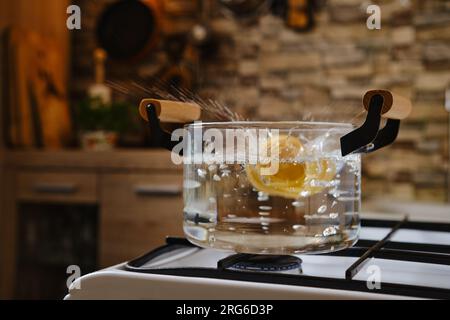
259, 262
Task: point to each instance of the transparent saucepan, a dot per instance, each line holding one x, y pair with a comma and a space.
270, 187
273, 187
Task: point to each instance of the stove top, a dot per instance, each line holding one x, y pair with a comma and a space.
393, 258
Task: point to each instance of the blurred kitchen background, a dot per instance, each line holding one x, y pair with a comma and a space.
80, 184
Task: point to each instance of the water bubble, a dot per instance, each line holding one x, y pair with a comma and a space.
304, 138
298, 227
267, 208
298, 204
344, 199
322, 209
333, 215
265, 228
225, 173
330, 231
263, 213
320, 183
191, 184
336, 193
263, 196
231, 216
216, 177
334, 182
305, 194
232, 228
201, 173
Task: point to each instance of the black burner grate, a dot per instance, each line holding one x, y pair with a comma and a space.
231, 268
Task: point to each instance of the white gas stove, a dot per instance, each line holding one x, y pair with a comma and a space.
394, 259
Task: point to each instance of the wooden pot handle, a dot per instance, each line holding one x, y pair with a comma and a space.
171, 111
394, 106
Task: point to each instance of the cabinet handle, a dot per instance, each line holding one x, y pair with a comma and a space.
156, 189
61, 188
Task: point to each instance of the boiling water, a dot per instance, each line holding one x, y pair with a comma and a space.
224, 209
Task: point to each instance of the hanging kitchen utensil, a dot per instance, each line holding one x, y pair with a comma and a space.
128, 30
246, 11
298, 14
176, 77
201, 32
180, 71
201, 35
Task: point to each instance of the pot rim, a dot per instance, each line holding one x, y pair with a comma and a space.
299, 125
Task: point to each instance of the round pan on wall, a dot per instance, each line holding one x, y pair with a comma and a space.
129, 29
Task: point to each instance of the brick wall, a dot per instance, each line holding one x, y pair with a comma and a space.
266, 71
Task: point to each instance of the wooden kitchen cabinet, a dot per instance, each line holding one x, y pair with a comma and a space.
137, 197
70, 187
138, 211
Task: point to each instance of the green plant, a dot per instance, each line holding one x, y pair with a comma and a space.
93, 115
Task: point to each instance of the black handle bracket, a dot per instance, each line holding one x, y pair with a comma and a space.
369, 137
158, 137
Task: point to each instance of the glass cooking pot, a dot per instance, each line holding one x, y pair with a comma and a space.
271, 187
274, 187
